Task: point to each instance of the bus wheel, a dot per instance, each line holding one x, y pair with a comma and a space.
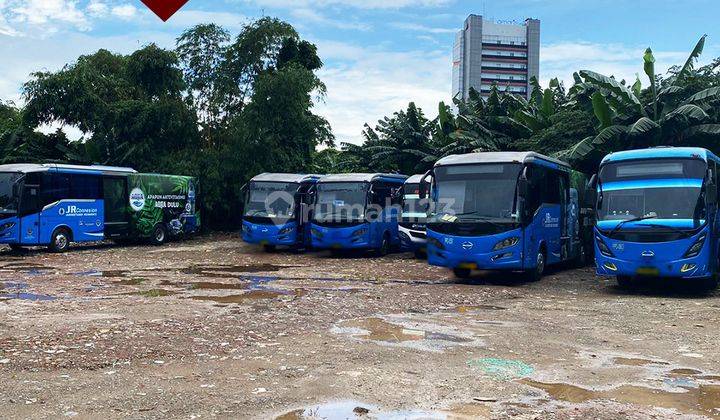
269, 248
159, 235
462, 273
536, 273
16, 248
711, 283
624, 282
60, 240
384, 246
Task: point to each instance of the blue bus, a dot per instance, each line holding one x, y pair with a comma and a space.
506, 211
277, 210
413, 236
656, 215
54, 205
357, 212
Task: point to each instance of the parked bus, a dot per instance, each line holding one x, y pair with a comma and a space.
413, 237
54, 205
357, 211
656, 215
277, 210
513, 211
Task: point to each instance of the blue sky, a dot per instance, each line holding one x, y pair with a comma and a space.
378, 54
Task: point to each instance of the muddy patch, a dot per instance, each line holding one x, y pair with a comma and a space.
232, 271
26, 268
703, 399
154, 293
135, 281
355, 409
112, 274
633, 361
476, 308
249, 296
403, 332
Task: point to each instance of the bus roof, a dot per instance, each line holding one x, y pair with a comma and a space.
415, 179
292, 178
364, 178
498, 157
57, 167
661, 153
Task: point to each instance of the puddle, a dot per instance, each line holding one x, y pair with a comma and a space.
632, 361
153, 293
135, 281
231, 271
105, 273
341, 410
23, 267
16, 291
205, 285
685, 372
380, 330
249, 296
473, 308
701, 400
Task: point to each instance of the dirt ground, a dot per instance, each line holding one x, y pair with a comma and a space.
212, 327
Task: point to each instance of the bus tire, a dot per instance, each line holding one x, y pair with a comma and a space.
269, 248
420, 254
536, 273
582, 259
625, 282
60, 240
159, 235
384, 248
462, 273
16, 247
711, 283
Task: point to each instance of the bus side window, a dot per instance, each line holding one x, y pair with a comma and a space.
56, 187
85, 187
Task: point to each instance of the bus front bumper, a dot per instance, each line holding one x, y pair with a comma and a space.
697, 267
355, 237
285, 235
499, 260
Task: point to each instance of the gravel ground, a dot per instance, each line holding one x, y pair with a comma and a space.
211, 327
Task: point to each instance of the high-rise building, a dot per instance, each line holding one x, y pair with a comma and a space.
488, 52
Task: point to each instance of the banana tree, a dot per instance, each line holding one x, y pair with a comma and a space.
670, 116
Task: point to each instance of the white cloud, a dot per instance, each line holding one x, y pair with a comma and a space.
125, 11
311, 16
43, 12
97, 8
562, 59
367, 84
422, 28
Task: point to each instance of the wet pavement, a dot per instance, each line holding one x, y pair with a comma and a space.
211, 327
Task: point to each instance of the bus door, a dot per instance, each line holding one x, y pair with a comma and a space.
565, 237
29, 210
115, 196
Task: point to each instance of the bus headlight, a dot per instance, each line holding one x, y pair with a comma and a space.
7, 226
695, 249
286, 230
603, 247
435, 242
506, 243
359, 232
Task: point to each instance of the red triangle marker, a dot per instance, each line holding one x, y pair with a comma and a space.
164, 8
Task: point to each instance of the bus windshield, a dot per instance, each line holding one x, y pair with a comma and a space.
271, 199
667, 189
475, 192
341, 201
414, 207
8, 199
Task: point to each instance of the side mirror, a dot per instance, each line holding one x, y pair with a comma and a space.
424, 185
590, 198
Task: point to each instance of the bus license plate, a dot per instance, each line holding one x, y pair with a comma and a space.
468, 266
648, 271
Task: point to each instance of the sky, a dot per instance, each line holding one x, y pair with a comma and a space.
379, 54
